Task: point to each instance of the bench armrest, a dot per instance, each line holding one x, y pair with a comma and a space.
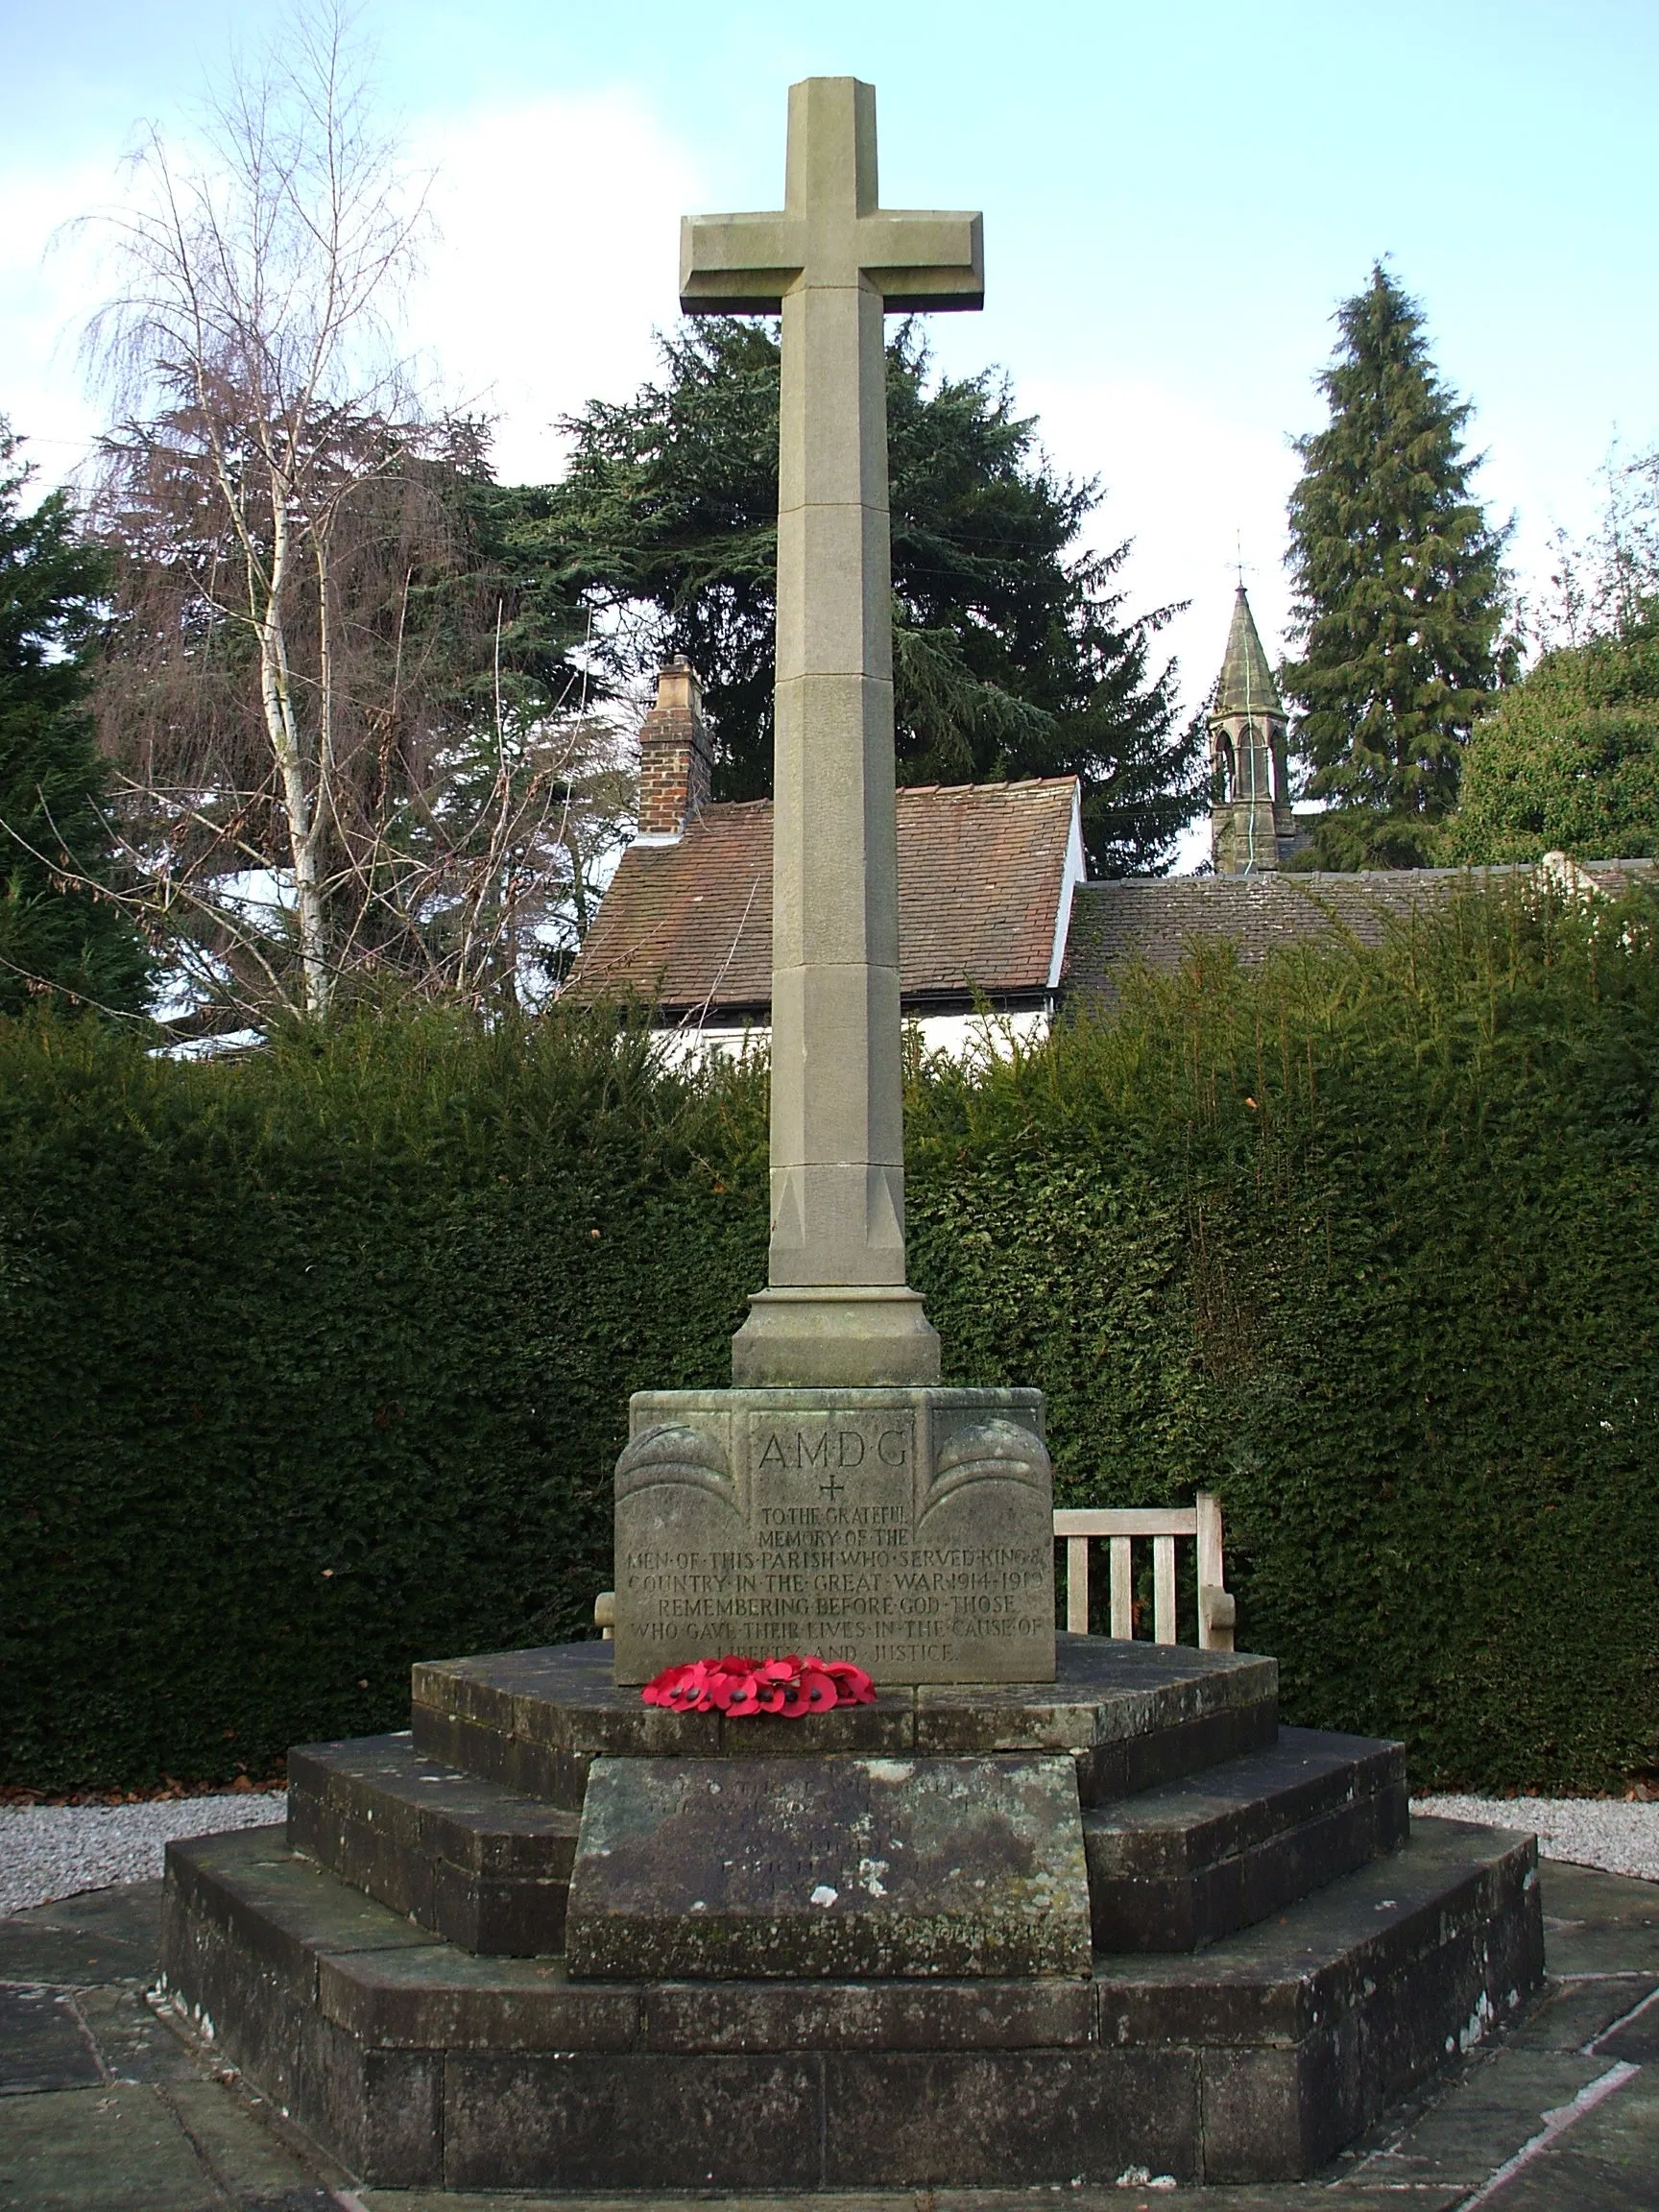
1217, 1617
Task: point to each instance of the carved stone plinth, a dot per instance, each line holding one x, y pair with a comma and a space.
910, 1531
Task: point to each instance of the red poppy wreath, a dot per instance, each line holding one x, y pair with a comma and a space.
791, 1686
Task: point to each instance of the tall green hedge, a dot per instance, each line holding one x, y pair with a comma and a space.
316, 1363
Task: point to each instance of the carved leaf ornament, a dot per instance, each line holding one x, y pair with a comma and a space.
670, 1453
792, 1687
989, 1451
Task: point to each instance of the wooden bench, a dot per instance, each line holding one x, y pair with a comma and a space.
1122, 1526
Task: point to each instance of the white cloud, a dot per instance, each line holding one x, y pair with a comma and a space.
559, 222
558, 236
1193, 488
49, 277
1190, 486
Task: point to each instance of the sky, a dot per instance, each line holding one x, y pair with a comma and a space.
1176, 198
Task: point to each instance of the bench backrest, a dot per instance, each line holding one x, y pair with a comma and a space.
1121, 1527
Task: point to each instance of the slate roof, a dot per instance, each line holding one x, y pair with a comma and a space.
1155, 920
1246, 685
981, 877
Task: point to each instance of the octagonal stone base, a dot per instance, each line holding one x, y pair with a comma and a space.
421, 2065
417, 1976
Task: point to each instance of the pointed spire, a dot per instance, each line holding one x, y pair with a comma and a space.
1247, 685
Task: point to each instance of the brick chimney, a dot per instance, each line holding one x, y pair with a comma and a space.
675, 761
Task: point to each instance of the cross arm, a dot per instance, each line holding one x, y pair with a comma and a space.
739, 264
923, 258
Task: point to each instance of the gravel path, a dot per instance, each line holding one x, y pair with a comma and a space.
1606, 1831
52, 1851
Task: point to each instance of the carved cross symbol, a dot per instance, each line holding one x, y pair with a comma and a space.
830, 1489
833, 261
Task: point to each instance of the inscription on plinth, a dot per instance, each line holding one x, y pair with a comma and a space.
910, 1531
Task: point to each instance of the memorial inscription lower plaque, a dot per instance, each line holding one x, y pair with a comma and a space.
910, 1531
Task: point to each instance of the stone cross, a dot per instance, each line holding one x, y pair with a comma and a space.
836, 1309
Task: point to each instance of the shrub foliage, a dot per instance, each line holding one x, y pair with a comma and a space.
315, 1362
1568, 758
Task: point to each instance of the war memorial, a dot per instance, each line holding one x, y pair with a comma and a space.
1046, 1910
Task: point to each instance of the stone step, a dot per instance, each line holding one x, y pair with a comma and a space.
1129, 1715
1304, 1969
1179, 1866
483, 1866
1252, 2061
1318, 2018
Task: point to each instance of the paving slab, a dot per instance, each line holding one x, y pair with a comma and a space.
106, 1936
41, 2046
132, 2041
1608, 2161
1599, 1923
103, 2106
1502, 2096
127, 1913
1635, 2036
260, 2164
1570, 2014
107, 2149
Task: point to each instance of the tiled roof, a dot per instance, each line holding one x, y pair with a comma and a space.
981, 874
1155, 920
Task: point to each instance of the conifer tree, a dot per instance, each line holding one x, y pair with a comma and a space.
1014, 653
1399, 579
59, 938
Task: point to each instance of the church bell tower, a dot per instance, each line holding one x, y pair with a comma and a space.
1251, 827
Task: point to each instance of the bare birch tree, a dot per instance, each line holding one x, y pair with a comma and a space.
247, 346
473, 795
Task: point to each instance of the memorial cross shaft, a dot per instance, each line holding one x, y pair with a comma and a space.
833, 262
